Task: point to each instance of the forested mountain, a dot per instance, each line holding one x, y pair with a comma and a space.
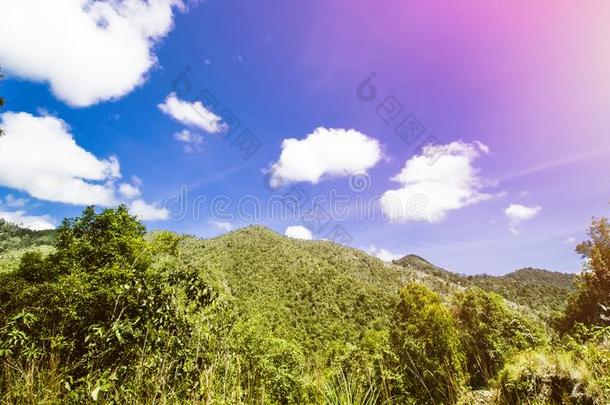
15, 241
12, 237
115, 314
544, 291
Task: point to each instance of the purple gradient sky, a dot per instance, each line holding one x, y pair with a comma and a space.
529, 80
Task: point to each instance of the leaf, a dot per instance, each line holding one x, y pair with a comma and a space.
95, 393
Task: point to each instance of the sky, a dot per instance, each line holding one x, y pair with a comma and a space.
474, 135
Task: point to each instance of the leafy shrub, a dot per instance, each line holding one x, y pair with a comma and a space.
592, 345
98, 306
13, 237
341, 390
545, 378
272, 368
590, 304
426, 343
490, 332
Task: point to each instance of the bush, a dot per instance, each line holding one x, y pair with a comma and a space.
96, 307
490, 332
426, 344
546, 378
590, 304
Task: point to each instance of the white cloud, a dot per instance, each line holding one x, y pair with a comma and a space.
13, 202
38, 155
223, 226
325, 153
193, 114
88, 51
517, 214
129, 191
443, 178
147, 212
192, 142
298, 232
570, 240
36, 223
382, 254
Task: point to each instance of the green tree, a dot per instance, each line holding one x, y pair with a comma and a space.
99, 301
590, 304
490, 332
426, 343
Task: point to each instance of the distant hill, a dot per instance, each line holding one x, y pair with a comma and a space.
542, 290
277, 312
308, 291
539, 276
13, 237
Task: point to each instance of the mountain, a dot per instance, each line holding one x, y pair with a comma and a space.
314, 292
253, 316
13, 237
542, 290
14, 241
530, 275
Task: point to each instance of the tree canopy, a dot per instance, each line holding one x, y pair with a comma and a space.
590, 304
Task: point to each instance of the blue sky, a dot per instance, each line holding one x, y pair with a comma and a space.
513, 111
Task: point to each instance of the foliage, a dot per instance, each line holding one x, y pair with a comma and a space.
97, 305
541, 290
535, 377
426, 343
13, 237
342, 390
590, 304
490, 332
113, 314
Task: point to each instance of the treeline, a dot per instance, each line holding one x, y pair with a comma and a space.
12, 237
114, 314
545, 292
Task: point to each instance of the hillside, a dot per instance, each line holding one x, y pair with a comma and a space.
14, 241
113, 313
311, 291
542, 290
13, 237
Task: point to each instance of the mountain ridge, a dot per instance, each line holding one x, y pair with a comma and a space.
542, 290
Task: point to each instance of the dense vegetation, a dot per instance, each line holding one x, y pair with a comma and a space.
111, 313
15, 241
544, 291
13, 237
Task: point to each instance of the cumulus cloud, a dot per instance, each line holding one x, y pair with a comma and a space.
129, 191
324, 153
193, 114
443, 178
192, 142
298, 232
222, 225
382, 254
88, 51
147, 212
13, 202
517, 214
36, 223
39, 156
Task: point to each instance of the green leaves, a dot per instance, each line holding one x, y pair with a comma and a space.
98, 304
491, 332
425, 340
588, 305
